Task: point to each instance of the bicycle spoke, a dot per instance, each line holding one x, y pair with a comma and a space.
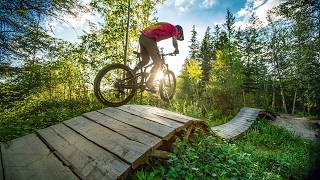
115, 87
167, 86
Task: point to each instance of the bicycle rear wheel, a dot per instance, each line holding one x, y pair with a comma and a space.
167, 86
115, 85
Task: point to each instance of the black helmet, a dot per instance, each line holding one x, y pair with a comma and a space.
180, 37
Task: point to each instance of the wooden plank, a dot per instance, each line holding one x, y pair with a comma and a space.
173, 115
87, 160
165, 113
1, 167
237, 123
147, 115
146, 125
130, 151
124, 129
249, 117
29, 158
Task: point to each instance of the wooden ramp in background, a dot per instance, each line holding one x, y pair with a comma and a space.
104, 144
240, 123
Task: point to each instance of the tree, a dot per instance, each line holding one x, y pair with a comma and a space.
194, 44
304, 45
106, 45
254, 70
23, 21
206, 56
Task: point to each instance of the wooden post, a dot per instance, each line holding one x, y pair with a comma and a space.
127, 34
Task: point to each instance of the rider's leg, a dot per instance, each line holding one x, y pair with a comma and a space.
144, 56
153, 72
152, 50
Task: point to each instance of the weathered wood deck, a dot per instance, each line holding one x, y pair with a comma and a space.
104, 144
240, 123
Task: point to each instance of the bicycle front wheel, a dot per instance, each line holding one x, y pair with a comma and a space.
167, 86
115, 85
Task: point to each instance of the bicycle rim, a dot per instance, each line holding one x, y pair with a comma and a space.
115, 85
167, 86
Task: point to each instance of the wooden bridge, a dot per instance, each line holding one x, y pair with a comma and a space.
104, 144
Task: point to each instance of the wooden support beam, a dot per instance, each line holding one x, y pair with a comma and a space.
189, 130
160, 154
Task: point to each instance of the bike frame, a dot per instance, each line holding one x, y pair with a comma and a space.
144, 74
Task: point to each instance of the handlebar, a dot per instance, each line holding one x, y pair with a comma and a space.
169, 54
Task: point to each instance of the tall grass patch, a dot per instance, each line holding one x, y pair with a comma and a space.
264, 152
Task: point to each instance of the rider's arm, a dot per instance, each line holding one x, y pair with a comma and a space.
175, 44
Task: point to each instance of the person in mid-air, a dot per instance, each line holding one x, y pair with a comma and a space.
148, 46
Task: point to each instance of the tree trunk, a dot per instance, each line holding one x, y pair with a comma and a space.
265, 87
283, 98
273, 97
85, 93
70, 91
294, 101
64, 91
50, 85
244, 98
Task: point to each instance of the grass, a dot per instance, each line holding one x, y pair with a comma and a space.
264, 152
37, 113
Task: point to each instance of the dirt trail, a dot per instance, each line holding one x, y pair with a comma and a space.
308, 129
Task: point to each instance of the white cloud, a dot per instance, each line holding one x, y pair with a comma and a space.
261, 12
243, 12
259, 7
77, 23
208, 3
257, 3
80, 20
185, 5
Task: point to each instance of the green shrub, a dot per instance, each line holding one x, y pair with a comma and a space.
36, 113
264, 152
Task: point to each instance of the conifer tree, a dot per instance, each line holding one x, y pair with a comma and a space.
194, 44
206, 55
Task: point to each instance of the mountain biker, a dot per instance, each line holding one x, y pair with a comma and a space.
148, 46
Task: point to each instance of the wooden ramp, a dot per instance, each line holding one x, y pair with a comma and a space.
240, 123
104, 144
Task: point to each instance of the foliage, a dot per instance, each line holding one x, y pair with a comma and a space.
23, 31
264, 152
37, 113
194, 44
206, 55
188, 82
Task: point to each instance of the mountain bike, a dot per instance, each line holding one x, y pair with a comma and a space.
116, 84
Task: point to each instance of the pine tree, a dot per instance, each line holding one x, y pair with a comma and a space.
206, 55
229, 23
194, 44
253, 69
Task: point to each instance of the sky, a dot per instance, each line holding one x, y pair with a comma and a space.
201, 13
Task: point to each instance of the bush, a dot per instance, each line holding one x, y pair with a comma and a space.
264, 152
36, 113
